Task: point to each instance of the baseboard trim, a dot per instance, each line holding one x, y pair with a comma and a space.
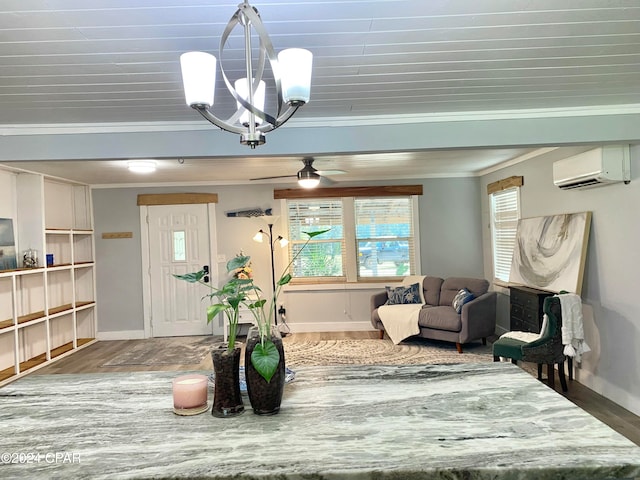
329, 327
121, 335
602, 387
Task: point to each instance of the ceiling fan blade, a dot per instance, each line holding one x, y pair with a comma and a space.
271, 178
330, 172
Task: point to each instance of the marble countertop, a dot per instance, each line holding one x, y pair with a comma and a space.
471, 421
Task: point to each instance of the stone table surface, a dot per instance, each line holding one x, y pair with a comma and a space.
467, 421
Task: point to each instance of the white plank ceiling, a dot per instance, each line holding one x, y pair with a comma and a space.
79, 61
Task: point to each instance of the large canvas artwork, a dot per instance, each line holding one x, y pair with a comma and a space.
8, 259
550, 252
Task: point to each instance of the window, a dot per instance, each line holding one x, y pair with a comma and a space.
384, 236
322, 257
505, 212
368, 238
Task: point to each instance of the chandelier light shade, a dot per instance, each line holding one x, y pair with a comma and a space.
198, 78
295, 67
291, 70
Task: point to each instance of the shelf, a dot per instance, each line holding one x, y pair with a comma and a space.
7, 373
31, 317
82, 305
56, 352
60, 309
6, 323
83, 341
49, 311
33, 362
20, 271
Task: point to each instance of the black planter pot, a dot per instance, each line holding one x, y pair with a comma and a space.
227, 399
265, 397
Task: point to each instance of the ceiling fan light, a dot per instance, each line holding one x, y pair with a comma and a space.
308, 178
141, 166
295, 70
242, 88
198, 78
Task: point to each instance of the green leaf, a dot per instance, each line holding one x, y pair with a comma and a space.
237, 262
235, 301
215, 309
286, 278
191, 277
265, 359
315, 234
258, 304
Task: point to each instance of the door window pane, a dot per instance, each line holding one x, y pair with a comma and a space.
179, 246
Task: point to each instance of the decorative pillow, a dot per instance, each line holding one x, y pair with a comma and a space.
403, 295
462, 297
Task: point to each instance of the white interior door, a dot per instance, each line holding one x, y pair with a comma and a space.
178, 243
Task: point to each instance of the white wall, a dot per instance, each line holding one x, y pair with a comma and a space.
612, 310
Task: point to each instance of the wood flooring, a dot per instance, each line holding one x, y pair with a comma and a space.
91, 359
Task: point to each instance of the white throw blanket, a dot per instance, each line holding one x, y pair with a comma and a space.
572, 328
401, 321
529, 337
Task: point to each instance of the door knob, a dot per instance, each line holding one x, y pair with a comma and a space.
205, 269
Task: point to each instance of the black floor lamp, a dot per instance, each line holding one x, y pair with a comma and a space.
259, 237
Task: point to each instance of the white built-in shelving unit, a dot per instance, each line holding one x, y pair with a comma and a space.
46, 312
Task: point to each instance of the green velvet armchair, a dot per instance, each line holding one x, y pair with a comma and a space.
547, 349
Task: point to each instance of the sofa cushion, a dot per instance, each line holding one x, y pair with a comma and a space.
431, 289
462, 297
452, 285
403, 295
440, 318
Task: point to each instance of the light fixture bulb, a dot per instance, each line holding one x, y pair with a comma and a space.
259, 237
141, 166
283, 242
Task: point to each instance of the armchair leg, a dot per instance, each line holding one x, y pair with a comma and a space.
484, 340
381, 334
459, 347
496, 358
563, 380
570, 367
551, 375
539, 371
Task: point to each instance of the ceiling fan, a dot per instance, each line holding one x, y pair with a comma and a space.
308, 177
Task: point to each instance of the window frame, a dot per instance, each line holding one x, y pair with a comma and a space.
350, 255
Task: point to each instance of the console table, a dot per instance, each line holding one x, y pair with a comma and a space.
526, 308
480, 421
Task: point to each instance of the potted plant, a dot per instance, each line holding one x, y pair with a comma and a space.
264, 352
226, 356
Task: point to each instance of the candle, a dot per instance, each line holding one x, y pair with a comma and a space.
190, 394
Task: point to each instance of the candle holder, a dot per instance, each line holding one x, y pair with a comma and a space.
190, 394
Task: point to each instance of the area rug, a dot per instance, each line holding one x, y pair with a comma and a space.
381, 352
165, 351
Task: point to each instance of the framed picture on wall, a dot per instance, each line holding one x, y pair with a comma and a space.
8, 259
551, 251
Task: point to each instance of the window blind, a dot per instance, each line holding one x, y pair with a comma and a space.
505, 212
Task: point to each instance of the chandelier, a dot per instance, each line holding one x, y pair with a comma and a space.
291, 70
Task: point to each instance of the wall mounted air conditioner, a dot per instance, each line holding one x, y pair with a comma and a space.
600, 166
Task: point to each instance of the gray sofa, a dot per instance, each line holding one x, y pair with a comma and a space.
438, 320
